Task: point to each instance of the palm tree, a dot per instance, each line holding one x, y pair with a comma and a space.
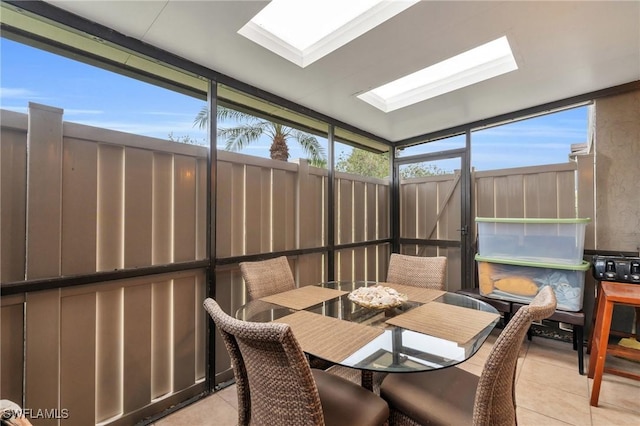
253, 128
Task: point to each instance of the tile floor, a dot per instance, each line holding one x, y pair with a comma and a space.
549, 391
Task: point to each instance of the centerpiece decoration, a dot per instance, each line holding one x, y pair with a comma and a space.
377, 297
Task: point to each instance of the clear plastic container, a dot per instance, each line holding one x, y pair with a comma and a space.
520, 281
534, 240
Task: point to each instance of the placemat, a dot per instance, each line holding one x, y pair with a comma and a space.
303, 297
329, 338
449, 322
416, 294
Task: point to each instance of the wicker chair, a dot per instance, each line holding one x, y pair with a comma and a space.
429, 272
276, 386
454, 396
267, 277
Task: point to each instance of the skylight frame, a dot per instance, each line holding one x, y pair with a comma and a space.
267, 36
499, 62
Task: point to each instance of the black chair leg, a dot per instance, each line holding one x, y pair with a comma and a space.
578, 333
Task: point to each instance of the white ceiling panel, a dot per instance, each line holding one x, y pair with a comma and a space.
562, 48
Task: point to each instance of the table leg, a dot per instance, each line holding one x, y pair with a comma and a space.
600, 350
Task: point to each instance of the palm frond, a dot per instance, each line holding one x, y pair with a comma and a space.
239, 137
224, 113
311, 146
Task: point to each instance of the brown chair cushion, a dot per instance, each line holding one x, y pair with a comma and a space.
346, 403
443, 396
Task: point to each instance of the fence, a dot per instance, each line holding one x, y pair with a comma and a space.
78, 200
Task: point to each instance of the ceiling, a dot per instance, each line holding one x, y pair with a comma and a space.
563, 49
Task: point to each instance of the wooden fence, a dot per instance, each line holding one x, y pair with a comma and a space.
78, 200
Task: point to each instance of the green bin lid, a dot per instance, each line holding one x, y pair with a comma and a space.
531, 220
584, 266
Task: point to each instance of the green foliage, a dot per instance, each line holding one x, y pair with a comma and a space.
418, 170
186, 139
366, 163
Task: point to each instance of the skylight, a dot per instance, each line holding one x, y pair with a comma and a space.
481, 63
305, 31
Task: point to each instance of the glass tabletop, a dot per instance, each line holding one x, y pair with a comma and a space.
411, 337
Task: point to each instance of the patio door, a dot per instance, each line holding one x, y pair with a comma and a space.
434, 218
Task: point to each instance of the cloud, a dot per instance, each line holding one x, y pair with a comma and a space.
16, 93
22, 109
68, 112
157, 130
528, 131
170, 114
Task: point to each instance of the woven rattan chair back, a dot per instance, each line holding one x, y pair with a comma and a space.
417, 271
495, 402
267, 277
275, 384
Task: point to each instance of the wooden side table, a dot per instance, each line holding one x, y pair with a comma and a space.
611, 293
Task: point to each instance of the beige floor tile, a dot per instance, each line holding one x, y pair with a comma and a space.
528, 417
554, 352
606, 415
619, 392
559, 377
210, 411
552, 402
549, 391
229, 394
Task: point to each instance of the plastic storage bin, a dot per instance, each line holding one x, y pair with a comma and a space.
533, 240
520, 281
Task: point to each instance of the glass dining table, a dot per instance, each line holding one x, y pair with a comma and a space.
433, 329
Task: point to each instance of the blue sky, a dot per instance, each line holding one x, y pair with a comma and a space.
101, 98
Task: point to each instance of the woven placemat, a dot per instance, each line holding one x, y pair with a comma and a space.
416, 294
303, 297
448, 322
329, 338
